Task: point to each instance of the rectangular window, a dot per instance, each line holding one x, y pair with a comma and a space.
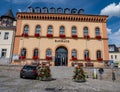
6, 35
115, 56
3, 53
111, 56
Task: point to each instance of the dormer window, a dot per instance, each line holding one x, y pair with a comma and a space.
52, 10
59, 10
81, 11
37, 10
45, 10
30, 10
67, 11
74, 11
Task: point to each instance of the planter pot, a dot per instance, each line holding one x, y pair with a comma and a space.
79, 80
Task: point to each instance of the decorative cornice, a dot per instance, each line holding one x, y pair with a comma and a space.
62, 17
57, 37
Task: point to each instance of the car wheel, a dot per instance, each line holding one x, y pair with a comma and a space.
21, 76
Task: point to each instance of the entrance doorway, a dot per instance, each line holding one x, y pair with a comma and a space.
61, 56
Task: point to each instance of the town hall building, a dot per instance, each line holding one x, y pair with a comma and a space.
61, 37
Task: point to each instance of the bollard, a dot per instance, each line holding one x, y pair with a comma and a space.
113, 76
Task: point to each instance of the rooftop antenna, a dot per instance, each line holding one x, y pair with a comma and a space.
10, 4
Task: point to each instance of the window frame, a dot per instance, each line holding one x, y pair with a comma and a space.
4, 53
86, 31
74, 31
48, 53
62, 30
50, 30
74, 53
97, 31
23, 52
98, 54
26, 29
86, 54
6, 35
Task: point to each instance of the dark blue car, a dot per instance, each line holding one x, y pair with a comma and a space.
28, 71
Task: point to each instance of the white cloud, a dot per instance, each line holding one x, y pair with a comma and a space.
36, 1
109, 31
111, 10
117, 33
114, 38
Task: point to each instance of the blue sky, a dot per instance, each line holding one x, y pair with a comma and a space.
98, 7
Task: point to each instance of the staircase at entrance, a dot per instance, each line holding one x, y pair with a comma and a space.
62, 72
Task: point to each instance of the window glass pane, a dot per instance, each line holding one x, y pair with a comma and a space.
73, 30
62, 30
23, 52
74, 53
3, 53
85, 31
36, 52
38, 29
86, 54
97, 32
50, 30
6, 35
48, 53
26, 28
98, 54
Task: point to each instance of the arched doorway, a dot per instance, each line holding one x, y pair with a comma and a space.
61, 56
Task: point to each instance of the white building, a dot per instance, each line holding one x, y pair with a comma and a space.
114, 53
7, 32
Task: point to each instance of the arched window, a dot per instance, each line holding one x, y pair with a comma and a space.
85, 31
98, 55
37, 10
49, 53
30, 9
37, 29
97, 31
26, 29
86, 54
50, 29
52, 10
45, 10
23, 52
74, 30
74, 53
59, 10
35, 52
81, 11
62, 30
74, 11
67, 11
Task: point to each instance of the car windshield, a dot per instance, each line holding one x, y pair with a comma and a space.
29, 67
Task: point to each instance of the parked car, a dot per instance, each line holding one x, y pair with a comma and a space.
28, 71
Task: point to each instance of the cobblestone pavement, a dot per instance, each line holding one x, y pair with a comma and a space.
10, 82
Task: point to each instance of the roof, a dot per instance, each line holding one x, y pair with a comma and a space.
9, 14
115, 49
